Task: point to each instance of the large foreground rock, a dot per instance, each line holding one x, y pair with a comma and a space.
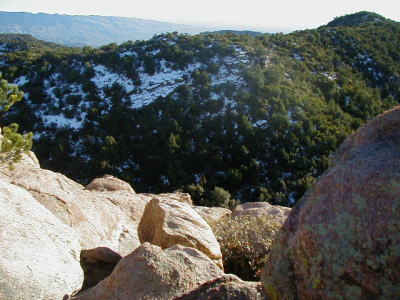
39, 255
152, 273
227, 287
98, 221
342, 240
168, 222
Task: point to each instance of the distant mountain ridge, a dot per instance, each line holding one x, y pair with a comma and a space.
87, 30
239, 32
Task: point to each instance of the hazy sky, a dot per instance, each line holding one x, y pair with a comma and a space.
269, 15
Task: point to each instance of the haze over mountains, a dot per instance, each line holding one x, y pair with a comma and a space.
87, 30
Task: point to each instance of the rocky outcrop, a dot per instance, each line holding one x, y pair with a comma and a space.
168, 222
39, 255
109, 183
98, 221
152, 273
177, 196
342, 240
134, 204
227, 287
258, 209
212, 213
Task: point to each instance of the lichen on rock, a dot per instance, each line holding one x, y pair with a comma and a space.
341, 241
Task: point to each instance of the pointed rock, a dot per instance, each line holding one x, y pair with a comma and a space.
109, 183
168, 222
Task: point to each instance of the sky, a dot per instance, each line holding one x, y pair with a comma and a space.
264, 15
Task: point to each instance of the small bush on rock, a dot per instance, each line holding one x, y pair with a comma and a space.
245, 243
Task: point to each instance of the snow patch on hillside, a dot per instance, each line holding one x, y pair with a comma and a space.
54, 113
227, 102
330, 76
49, 91
3, 48
128, 53
105, 78
160, 84
230, 68
260, 123
241, 54
20, 81
364, 59
61, 121
225, 75
61, 112
297, 56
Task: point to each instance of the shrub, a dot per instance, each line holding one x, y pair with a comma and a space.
245, 243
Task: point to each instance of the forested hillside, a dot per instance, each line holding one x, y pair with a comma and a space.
223, 116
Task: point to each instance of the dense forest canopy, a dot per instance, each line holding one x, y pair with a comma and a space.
227, 117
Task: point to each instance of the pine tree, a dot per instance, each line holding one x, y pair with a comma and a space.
12, 144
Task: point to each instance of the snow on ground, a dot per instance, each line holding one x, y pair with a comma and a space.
49, 91
128, 53
290, 117
297, 56
225, 75
3, 48
292, 198
159, 84
105, 78
165, 81
227, 102
20, 81
330, 76
61, 121
241, 54
229, 70
155, 52
229, 73
260, 123
364, 58
54, 82
50, 114
164, 179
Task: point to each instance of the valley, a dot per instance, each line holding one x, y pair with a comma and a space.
256, 117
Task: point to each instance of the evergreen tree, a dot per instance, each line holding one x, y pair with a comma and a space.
12, 144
